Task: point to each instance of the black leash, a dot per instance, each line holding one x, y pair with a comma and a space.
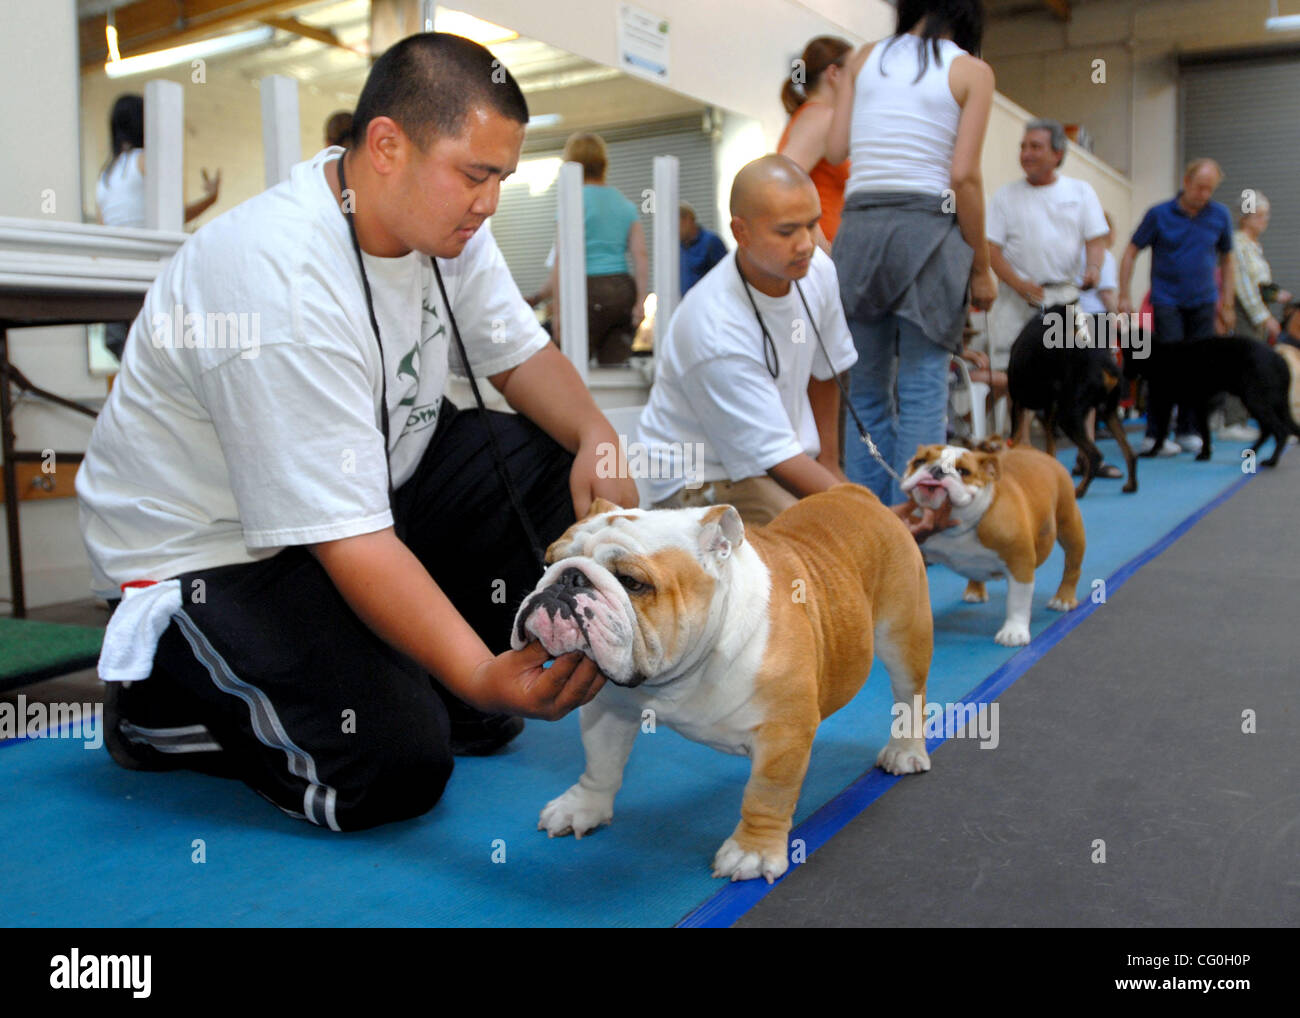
502, 471
770, 344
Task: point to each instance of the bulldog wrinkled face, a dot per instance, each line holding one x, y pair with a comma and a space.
948, 472
632, 589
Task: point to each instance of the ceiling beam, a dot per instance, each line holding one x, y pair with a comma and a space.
296, 27
1060, 8
148, 25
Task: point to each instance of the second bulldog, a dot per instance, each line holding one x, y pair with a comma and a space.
1008, 507
742, 640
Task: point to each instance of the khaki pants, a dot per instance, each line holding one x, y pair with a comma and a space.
759, 500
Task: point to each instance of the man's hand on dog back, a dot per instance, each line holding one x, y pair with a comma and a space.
517, 682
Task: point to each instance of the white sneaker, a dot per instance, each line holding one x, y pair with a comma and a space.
1187, 443
1170, 447
1238, 433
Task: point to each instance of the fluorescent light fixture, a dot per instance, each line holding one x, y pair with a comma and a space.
114, 55
192, 51
538, 174
545, 120
482, 32
1286, 23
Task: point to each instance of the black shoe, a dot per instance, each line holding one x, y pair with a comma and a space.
484, 736
130, 747
475, 732
133, 756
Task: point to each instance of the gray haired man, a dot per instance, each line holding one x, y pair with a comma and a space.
1036, 228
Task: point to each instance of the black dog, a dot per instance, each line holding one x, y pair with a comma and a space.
1191, 372
1061, 383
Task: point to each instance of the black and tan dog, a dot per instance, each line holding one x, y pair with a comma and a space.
1061, 383
1192, 372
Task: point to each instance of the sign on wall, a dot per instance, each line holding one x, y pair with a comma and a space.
642, 43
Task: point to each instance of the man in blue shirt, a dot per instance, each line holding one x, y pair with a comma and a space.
1188, 236
701, 249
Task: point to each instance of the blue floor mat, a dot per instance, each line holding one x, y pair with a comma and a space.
88, 844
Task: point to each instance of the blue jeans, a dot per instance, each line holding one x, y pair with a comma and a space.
899, 388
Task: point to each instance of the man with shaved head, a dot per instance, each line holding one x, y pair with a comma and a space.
745, 407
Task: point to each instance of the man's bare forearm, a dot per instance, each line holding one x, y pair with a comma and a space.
1227, 292
1126, 271
1003, 270
824, 397
393, 594
547, 390
802, 475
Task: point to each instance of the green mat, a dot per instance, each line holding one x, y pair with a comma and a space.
32, 651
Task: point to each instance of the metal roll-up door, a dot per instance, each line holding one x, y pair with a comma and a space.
1245, 114
524, 224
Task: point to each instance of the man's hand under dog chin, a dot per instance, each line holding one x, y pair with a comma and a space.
928, 522
517, 682
599, 448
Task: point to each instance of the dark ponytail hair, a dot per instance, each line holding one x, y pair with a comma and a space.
962, 19
126, 124
821, 53
125, 127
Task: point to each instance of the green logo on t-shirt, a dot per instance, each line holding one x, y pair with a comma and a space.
426, 415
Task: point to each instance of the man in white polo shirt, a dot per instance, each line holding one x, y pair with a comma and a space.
1036, 227
742, 374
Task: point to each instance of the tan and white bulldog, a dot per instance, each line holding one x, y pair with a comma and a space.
743, 640
1008, 506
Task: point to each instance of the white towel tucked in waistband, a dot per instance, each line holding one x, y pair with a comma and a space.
131, 639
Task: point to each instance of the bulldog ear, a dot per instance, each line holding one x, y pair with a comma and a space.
721, 531
990, 465
600, 505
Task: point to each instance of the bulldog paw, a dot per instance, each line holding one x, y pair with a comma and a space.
1013, 634
741, 863
976, 592
1063, 603
904, 756
576, 812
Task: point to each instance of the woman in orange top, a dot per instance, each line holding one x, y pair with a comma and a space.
809, 97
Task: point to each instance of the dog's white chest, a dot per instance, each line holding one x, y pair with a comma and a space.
963, 553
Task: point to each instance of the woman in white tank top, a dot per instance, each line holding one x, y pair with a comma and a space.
119, 192
911, 112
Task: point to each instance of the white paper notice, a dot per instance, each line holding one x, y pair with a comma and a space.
642, 43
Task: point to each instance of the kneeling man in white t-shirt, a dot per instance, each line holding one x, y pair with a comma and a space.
745, 406
315, 553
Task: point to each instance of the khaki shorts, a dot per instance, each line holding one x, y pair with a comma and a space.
759, 500
1010, 314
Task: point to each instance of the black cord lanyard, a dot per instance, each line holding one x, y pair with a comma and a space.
774, 364
504, 473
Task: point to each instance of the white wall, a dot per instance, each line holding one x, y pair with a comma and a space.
727, 54
1047, 65
223, 129
38, 79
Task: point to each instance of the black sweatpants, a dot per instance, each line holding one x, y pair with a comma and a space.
310, 708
